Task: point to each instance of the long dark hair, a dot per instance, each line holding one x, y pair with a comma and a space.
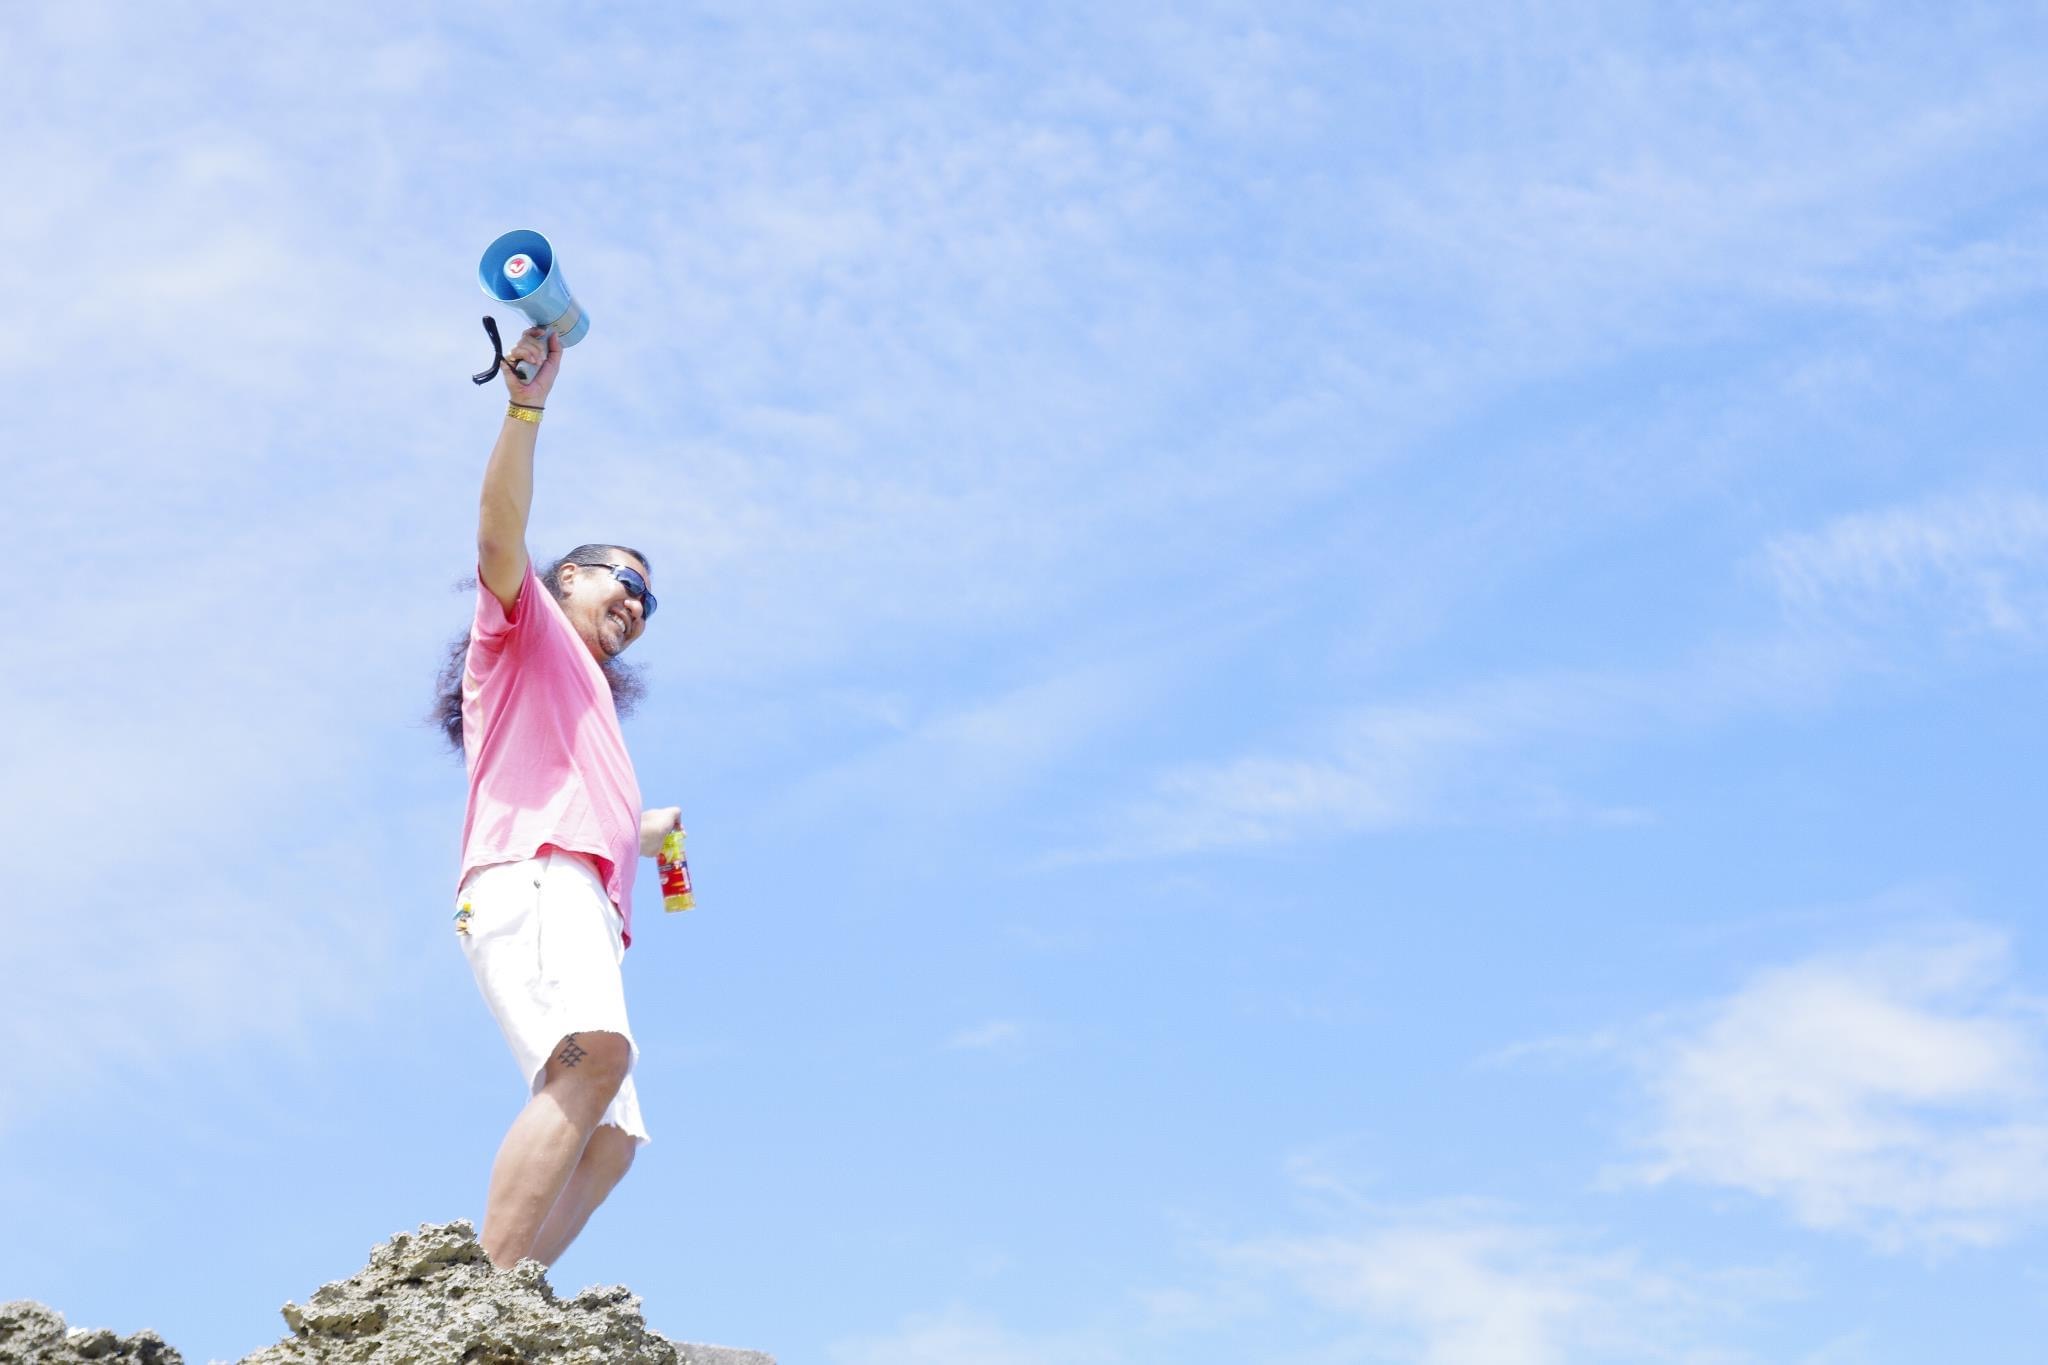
625, 679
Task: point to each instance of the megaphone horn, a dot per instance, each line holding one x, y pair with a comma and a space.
520, 269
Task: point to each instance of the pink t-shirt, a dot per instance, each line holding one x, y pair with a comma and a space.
547, 764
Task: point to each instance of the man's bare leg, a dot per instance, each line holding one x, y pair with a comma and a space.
546, 1142
605, 1159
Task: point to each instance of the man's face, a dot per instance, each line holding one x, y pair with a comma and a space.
598, 606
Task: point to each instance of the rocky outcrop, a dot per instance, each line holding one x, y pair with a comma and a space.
31, 1334
426, 1298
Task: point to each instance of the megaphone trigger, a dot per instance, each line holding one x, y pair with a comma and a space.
489, 372
525, 369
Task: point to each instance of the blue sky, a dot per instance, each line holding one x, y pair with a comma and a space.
1350, 685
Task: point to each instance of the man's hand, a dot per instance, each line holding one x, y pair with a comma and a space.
539, 347
654, 827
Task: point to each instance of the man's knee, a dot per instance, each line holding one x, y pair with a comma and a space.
595, 1062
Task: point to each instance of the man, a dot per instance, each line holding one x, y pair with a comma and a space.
551, 840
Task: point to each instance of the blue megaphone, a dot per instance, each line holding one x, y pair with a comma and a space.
520, 269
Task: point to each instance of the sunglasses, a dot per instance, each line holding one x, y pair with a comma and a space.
636, 586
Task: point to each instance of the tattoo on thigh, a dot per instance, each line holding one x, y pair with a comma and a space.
571, 1052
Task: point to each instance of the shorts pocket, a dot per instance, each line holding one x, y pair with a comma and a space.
496, 901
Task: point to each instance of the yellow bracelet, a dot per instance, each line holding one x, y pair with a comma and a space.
523, 413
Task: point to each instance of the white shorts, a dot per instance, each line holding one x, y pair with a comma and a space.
544, 941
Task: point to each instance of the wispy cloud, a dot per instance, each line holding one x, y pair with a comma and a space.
1861, 593
1382, 769
1449, 1284
977, 752
990, 1035
1893, 1093
960, 1335
1977, 562
1925, 281
1466, 1289
1489, 753
202, 862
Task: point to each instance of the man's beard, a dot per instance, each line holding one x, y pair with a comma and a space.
627, 684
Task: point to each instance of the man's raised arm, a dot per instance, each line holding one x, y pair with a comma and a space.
508, 478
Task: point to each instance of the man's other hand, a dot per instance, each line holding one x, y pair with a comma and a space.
654, 827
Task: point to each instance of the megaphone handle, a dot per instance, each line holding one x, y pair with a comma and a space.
527, 369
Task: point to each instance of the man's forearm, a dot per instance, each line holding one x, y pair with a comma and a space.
503, 510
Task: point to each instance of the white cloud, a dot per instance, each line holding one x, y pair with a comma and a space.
1462, 1282
201, 862
1468, 1290
1447, 1285
1494, 752
1978, 562
1864, 593
1947, 281
972, 754
960, 1336
1382, 769
995, 1033
1894, 1093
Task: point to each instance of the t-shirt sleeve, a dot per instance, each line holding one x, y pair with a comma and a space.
493, 627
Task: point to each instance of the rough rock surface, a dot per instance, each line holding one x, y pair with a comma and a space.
426, 1298
31, 1334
